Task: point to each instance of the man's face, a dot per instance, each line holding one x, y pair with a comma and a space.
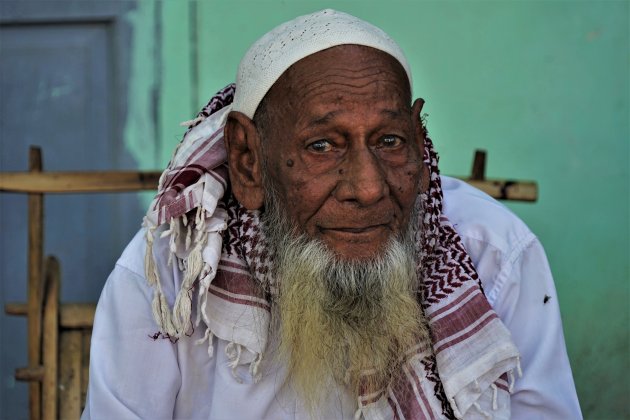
343, 148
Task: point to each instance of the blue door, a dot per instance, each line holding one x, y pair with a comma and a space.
63, 75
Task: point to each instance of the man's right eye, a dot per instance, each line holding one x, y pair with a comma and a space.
320, 146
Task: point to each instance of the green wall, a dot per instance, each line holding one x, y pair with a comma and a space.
543, 86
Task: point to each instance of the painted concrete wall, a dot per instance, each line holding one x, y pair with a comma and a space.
543, 86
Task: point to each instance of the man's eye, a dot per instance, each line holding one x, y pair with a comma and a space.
320, 146
390, 142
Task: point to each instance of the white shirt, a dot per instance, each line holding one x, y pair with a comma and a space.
134, 376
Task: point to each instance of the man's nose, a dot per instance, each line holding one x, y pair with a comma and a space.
362, 179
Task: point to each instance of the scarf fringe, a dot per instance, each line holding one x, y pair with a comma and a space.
177, 322
456, 412
190, 123
161, 312
207, 336
254, 368
483, 412
233, 351
183, 303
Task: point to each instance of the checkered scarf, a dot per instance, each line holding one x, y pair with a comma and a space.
464, 372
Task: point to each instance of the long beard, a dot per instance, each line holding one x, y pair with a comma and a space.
343, 322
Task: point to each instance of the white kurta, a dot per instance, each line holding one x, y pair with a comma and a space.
134, 376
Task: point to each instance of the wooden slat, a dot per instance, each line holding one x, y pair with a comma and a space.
35, 281
13, 308
78, 182
507, 190
77, 315
72, 315
29, 373
70, 375
50, 340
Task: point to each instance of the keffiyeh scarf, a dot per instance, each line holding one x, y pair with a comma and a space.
465, 372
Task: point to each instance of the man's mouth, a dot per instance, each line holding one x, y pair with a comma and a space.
363, 229
355, 231
353, 241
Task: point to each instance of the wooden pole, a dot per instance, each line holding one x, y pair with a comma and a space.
70, 374
478, 172
35, 283
50, 339
78, 182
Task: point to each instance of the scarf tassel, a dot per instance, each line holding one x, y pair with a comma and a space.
176, 322
233, 351
494, 396
207, 336
483, 412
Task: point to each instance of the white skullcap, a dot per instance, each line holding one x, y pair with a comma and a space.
276, 51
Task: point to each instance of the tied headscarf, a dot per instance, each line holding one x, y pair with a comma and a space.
466, 370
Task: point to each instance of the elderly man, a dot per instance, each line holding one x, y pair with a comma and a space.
303, 259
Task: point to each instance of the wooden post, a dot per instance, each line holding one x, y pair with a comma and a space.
35, 283
50, 339
70, 374
86, 334
479, 166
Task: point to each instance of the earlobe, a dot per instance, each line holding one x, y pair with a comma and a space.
420, 134
244, 160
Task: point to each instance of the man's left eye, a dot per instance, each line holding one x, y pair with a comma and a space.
320, 146
390, 141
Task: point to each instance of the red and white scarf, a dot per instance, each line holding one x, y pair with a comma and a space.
466, 371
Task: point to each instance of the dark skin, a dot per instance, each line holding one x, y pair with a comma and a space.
344, 148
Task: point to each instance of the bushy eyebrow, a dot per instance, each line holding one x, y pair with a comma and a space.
391, 114
318, 121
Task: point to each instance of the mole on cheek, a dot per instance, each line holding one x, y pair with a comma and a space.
290, 163
341, 171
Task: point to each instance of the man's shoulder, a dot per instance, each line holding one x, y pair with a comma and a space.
130, 266
128, 275
132, 258
494, 237
479, 217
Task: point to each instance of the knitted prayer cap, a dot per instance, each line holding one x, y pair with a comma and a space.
276, 51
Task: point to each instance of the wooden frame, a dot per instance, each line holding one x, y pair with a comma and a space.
58, 334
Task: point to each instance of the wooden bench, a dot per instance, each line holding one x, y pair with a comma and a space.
59, 333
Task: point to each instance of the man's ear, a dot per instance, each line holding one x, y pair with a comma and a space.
419, 134
244, 157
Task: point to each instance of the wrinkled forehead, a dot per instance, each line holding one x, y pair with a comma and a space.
270, 56
351, 72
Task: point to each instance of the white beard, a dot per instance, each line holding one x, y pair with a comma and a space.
338, 319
